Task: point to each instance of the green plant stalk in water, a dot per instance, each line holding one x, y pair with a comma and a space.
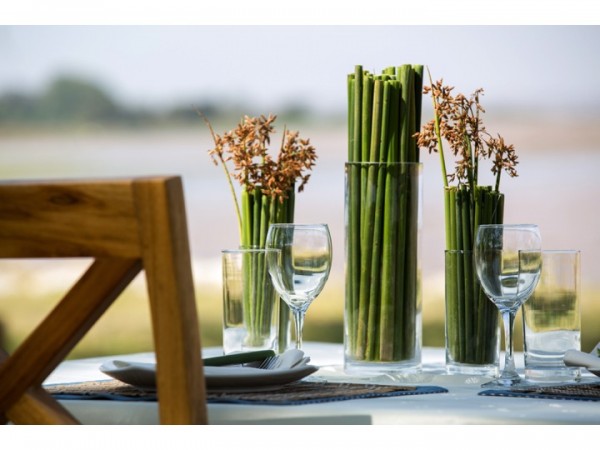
472, 320
382, 199
267, 196
258, 212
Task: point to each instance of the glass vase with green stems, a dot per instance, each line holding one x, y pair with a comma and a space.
382, 206
472, 322
267, 196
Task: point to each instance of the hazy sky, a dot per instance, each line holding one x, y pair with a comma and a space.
535, 67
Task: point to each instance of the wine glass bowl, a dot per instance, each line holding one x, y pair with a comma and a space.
299, 263
508, 264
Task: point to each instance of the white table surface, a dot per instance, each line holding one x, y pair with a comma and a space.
461, 405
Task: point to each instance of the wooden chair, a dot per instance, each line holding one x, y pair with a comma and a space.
126, 225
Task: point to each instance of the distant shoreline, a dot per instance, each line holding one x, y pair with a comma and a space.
540, 132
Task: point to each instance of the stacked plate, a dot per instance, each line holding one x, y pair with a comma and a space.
285, 368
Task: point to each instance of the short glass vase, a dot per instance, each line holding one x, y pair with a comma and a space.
472, 327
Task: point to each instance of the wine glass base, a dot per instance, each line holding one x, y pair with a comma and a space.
505, 383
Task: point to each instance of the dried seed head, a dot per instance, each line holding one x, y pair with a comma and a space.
247, 147
461, 126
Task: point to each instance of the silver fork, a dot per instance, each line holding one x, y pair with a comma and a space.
269, 363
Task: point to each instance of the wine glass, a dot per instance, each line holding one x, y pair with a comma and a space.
299, 262
508, 263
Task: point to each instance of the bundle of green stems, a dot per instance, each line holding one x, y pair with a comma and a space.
382, 213
259, 295
267, 196
471, 318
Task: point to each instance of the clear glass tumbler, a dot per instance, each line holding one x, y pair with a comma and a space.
250, 302
552, 318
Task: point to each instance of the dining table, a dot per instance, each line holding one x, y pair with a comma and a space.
457, 400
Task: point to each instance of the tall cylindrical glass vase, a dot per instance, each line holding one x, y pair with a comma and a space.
382, 320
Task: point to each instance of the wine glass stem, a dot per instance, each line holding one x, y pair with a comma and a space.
508, 317
299, 322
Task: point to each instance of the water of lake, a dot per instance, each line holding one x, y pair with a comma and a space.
557, 188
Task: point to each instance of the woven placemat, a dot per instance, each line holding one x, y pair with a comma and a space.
101, 390
298, 393
587, 392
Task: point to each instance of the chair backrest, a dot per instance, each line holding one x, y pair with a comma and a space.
126, 225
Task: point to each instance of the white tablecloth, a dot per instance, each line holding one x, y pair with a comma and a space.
461, 405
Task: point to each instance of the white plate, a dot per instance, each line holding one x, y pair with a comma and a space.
225, 377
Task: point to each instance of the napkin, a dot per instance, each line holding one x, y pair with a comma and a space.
291, 358
580, 359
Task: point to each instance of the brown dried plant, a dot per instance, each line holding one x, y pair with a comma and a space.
247, 148
457, 121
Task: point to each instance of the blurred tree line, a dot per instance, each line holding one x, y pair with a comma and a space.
75, 101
